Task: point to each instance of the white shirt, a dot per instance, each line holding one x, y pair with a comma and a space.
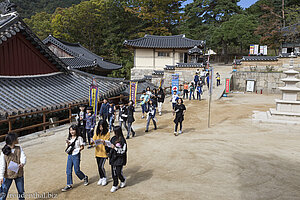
2, 161
174, 98
78, 143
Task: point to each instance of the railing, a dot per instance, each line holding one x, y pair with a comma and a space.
45, 112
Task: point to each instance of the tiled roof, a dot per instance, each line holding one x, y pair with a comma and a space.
290, 45
77, 63
259, 58
169, 67
157, 72
153, 41
195, 50
33, 93
11, 24
237, 62
293, 29
285, 55
189, 65
78, 51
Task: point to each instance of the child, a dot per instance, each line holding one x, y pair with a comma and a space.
111, 115
148, 91
179, 110
151, 115
144, 101
104, 110
101, 133
130, 119
118, 158
192, 91
218, 79
90, 124
12, 153
81, 122
199, 91
74, 145
160, 99
123, 115
174, 99
186, 90
196, 78
154, 97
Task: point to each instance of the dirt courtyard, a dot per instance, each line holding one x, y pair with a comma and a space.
234, 159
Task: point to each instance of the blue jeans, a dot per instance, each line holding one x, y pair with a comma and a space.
191, 93
143, 108
7, 183
74, 161
90, 134
111, 119
199, 96
130, 129
173, 105
148, 122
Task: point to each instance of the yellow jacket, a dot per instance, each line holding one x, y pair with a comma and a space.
100, 149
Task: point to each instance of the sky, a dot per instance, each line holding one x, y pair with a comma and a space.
242, 3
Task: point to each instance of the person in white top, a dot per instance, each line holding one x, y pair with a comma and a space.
74, 145
12, 162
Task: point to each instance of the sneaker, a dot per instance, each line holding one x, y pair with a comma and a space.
143, 117
113, 188
104, 181
175, 133
133, 134
90, 146
122, 184
67, 188
180, 132
86, 180
155, 128
127, 137
146, 131
160, 114
100, 181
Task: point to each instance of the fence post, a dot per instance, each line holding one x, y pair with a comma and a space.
9, 125
44, 119
70, 113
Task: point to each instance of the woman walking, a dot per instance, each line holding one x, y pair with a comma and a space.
179, 110
151, 115
118, 158
101, 134
130, 119
160, 99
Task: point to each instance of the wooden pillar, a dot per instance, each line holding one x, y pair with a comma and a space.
44, 119
9, 125
70, 113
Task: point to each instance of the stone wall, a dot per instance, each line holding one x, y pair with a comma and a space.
267, 82
185, 74
139, 73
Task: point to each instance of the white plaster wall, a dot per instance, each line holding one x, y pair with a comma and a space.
144, 59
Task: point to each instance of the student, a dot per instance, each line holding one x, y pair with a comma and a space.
218, 77
104, 110
148, 91
192, 91
174, 99
160, 99
199, 90
186, 90
74, 145
81, 121
90, 124
118, 158
123, 115
130, 119
179, 111
196, 78
207, 80
101, 133
151, 115
12, 153
111, 115
154, 97
144, 101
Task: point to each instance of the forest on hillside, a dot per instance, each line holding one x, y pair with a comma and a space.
103, 25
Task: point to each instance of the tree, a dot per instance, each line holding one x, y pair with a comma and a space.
40, 24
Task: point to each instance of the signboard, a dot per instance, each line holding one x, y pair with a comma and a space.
256, 49
175, 83
161, 83
250, 85
261, 50
93, 96
227, 85
133, 91
265, 50
251, 49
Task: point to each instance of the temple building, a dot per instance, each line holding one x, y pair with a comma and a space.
75, 56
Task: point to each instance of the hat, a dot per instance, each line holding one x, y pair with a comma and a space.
89, 108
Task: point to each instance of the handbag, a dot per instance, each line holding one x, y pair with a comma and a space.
69, 150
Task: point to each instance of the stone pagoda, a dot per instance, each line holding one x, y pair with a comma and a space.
288, 108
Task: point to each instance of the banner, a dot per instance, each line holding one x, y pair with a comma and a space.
256, 47
251, 49
265, 50
227, 85
261, 50
133, 91
175, 83
93, 99
161, 83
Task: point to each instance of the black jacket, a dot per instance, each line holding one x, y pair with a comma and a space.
161, 96
83, 121
130, 110
123, 114
118, 155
